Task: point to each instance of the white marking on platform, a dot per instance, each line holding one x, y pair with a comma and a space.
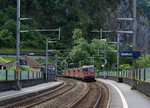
124, 102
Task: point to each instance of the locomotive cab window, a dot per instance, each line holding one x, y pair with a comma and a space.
91, 69
85, 69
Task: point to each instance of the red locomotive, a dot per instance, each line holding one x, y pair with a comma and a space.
85, 73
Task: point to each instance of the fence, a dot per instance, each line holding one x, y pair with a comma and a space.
141, 74
23, 75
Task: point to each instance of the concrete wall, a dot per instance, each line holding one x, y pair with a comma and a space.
51, 77
9, 85
143, 87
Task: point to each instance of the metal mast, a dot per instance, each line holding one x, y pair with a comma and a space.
47, 50
134, 43
118, 48
18, 45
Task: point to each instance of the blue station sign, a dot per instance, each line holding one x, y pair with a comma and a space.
23, 62
114, 66
130, 53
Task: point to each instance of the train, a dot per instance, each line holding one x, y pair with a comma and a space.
85, 73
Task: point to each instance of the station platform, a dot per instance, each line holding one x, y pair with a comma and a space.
123, 97
11, 95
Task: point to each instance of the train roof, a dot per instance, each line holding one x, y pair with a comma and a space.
87, 66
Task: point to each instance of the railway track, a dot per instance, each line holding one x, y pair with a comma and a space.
73, 94
96, 97
44, 97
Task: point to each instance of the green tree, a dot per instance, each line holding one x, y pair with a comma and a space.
6, 38
77, 35
125, 67
96, 45
80, 52
79, 55
143, 62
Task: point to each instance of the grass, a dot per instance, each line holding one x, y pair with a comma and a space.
6, 59
13, 50
44, 60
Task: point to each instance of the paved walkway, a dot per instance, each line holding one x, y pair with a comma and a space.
32, 89
123, 97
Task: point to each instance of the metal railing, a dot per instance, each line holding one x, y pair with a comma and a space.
140, 74
6, 75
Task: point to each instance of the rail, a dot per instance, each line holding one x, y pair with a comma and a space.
88, 94
43, 97
6, 75
140, 75
81, 99
98, 100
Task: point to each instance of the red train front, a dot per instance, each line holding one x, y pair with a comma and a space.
85, 73
88, 72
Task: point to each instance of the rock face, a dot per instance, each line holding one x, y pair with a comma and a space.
143, 32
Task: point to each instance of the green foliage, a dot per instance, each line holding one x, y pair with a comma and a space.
80, 52
143, 62
67, 14
77, 34
22, 49
2, 59
22, 68
6, 39
111, 57
6, 59
40, 60
125, 67
26, 68
144, 5
77, 55
13, 68
71, 15
83, 52
96, 45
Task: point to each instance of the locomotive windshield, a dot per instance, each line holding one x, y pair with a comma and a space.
85, 69
91, 69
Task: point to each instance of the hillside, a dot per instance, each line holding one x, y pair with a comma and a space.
76, 18
144, 5
67, 14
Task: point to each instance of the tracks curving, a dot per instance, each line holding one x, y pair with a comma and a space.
46, 96
73, 94
96, 97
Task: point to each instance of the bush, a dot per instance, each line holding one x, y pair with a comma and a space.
143, 62
22, 68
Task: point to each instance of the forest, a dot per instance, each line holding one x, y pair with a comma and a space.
76, 18
52, 14
144, 5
